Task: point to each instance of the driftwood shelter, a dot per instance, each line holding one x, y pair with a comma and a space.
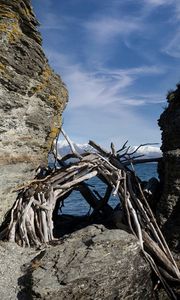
30, 220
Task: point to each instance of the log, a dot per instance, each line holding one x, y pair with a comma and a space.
136, 161
159, 255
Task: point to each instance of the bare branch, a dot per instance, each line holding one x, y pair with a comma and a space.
70, 144
123, 147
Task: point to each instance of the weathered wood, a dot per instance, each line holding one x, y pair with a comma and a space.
88, 195
143, 161
160, 255
136, 222
70, 144
153, 220
30, 222
100, 149
163, 281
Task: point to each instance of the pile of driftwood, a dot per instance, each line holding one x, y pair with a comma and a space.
30, 221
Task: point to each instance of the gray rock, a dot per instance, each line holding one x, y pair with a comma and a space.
32, 99
92, 263
11, 258
169, 170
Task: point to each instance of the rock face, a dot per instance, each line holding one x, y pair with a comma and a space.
92, 263
169, 205
32, 98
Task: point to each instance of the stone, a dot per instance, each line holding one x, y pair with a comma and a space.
168, 207
92, 263
12, 257
32, 99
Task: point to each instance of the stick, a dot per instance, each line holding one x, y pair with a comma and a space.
71, 144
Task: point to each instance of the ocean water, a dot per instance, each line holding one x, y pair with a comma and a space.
76, 205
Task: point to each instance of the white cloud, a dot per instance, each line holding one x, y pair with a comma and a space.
103, 29
101, 87
172, 44
160, 2
101, 104
175, 4
156, 2
173, 47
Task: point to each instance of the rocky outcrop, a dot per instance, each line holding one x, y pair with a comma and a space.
32, 98
92, 263
169, 170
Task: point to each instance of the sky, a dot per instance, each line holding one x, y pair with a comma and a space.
118, 58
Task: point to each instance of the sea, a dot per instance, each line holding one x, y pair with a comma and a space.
76, 205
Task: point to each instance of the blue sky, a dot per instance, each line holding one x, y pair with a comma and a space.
118, 59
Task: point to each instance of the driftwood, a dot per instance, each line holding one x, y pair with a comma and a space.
30, 221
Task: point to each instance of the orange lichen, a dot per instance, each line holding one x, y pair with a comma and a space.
12, 30
56, 101
8, 14
64, 93
2, 68
45, 76
9, 24
14, 33
57, 118
54, 131
27, 12
3, 27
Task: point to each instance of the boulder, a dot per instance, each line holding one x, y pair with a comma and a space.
32, 99
91, 263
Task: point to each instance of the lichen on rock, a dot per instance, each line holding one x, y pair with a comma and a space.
32, 98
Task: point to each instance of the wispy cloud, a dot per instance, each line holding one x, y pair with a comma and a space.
173, 47
175, 4
159, 2
102, 87
102, 102
170, 45
89, 89
105, 28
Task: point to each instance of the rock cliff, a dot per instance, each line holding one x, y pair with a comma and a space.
169, 170
32, 98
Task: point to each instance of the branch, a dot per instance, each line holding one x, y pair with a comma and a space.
142, 161
70, 144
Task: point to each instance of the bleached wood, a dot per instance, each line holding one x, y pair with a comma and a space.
29, 222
